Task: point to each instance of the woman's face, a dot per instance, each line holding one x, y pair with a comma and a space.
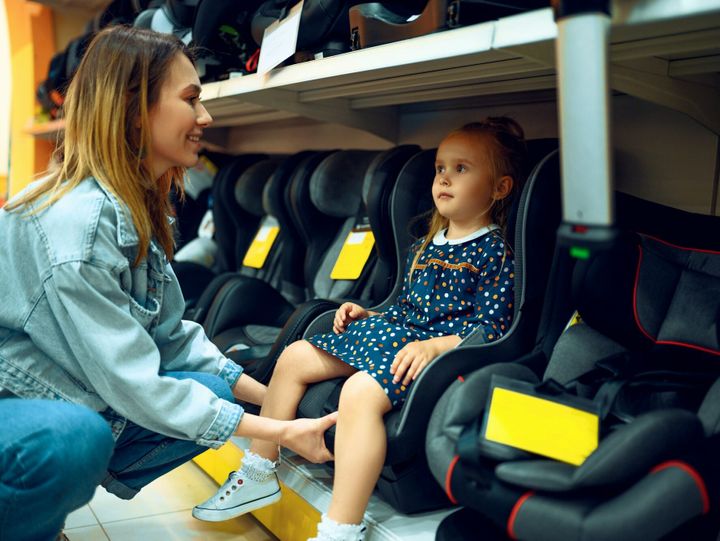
177, 119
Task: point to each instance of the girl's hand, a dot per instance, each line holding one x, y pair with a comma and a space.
411, 360
414, 357
346, 314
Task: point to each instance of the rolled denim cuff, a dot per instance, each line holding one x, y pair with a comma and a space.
223, 426
230, 372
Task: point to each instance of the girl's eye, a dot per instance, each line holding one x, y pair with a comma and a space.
193, 100
461, 168
439, 169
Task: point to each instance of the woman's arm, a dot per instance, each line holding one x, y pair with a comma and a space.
304, 436
250, 390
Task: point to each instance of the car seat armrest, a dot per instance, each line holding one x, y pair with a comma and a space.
293, 330
628, 453
442, 371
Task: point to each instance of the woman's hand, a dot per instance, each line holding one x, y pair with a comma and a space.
346, 314
415, 356
306, 437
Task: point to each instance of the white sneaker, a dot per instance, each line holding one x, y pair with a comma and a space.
237, 496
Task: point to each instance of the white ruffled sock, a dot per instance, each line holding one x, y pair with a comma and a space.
329, 530
256, 467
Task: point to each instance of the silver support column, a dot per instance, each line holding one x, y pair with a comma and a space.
584, 119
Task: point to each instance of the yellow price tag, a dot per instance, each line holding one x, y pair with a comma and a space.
260, 248
542, 426
353, 256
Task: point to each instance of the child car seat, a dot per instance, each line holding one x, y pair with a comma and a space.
172, 17
250, 312
234, 228
324, 24
376, 23
405, 481
646, 352
222, 37
378, 273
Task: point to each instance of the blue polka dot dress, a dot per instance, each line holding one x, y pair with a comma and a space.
458, 286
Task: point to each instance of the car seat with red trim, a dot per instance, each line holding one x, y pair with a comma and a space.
376, 23
222, 38
646, 352
405, 481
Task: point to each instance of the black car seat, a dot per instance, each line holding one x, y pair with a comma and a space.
294, 168
324, 24
222, 38
172, 17
249, 312
376, 23
376, 173
234, 229
645, 356
405, 481
370, 280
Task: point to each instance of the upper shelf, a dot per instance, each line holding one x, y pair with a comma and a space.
661, 50
85, 5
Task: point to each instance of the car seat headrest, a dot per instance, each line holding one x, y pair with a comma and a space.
646, 292
249, 187
337, 183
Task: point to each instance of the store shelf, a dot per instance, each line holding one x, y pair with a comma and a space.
85, 5
46, 130
663, 51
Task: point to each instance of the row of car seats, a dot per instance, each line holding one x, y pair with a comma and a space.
436, 452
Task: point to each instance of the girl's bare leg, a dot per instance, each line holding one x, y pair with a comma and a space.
360, 447
300, 365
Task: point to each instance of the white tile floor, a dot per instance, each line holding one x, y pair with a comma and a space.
160, 511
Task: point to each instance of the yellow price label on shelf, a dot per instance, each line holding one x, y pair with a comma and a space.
260, 248
353, 256
542, 426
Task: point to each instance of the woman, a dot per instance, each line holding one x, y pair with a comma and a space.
91, 308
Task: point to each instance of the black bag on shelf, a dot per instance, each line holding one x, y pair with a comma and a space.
119, 12
376, 23
222, 38
323, 25
50, 93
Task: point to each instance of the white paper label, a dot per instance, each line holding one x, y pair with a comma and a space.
280, 40
356, 238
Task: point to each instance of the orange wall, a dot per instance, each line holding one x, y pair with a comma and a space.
32, 44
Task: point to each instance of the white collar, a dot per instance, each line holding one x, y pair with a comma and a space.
440, 239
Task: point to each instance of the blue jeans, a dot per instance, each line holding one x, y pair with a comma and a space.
52, 456
141, 456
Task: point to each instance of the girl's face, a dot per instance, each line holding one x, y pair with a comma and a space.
464, 188
177, 119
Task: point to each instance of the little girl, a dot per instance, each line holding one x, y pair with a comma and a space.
458, 278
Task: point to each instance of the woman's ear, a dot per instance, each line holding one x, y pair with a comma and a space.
503, 187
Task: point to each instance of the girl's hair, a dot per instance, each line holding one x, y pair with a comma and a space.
507, 154
107, 130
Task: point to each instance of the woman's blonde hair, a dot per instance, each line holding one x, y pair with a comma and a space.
507, 157
107, 130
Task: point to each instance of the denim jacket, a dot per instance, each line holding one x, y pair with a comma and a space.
79, 323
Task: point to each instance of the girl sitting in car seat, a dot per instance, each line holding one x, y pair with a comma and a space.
458, 279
